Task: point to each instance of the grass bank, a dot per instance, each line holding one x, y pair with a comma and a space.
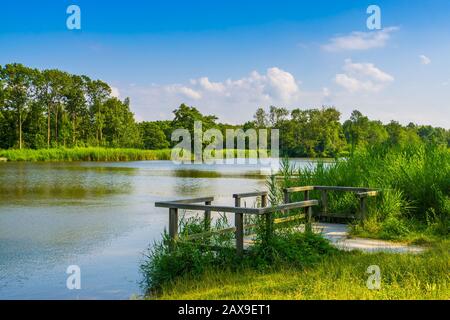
338, 276
96, 154
85, 154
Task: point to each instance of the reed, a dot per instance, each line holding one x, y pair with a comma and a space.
85, 154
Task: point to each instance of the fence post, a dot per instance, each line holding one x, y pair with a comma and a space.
207, 217
239, 224
306, 195
286, 200
362, 208
306, 198
264, 200
308, 212
324, 202
173, 225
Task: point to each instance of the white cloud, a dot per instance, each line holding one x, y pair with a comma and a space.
360, 40
234, 100
187, 92
283, 83
424, 59
208, 85
362, 77
115, 92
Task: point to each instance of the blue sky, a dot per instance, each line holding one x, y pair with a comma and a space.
230, 57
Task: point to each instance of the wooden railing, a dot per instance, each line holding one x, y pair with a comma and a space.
204, 204
362, 194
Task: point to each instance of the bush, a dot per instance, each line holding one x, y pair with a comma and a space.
287, 247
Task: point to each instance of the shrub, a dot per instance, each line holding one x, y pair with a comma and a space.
287, 247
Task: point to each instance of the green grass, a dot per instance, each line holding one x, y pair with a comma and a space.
414, 204
85, 154
338, 276
91, 154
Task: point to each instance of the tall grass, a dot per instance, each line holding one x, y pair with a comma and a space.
98, 154
414, 180
85, 154
338, 276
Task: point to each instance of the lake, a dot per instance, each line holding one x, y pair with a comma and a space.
99, 216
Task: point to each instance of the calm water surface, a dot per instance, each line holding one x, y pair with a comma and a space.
99, 216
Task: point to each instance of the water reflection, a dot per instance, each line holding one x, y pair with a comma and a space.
100, 216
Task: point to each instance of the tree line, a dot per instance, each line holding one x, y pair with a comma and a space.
303, 132
52, 108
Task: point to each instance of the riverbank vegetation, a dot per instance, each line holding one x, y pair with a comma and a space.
414, 180
44, 109
341, 275
85, 154
413, 206
102, 154
291, 265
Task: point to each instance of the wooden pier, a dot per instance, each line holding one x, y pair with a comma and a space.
204, 204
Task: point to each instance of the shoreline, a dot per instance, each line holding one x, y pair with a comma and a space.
98, 154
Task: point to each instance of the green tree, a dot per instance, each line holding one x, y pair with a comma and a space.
17, 94
185, 117
153, 136
98, 93
260, 118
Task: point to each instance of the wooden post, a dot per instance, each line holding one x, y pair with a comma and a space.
308, 212
264, 200
308, 225
362, 208
286, 200
239, 224
306, 195
306, 198
324, 202
207, 217
173, 225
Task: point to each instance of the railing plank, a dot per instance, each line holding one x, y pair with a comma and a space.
292, 205
250, 194
194, 200
338, 188
299, 189
202, 207
372, 193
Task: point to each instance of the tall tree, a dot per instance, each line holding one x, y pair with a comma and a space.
260, 118
98, 93
18, 94
76, 104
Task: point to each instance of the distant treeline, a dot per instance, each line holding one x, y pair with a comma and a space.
303, 133
52, 108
